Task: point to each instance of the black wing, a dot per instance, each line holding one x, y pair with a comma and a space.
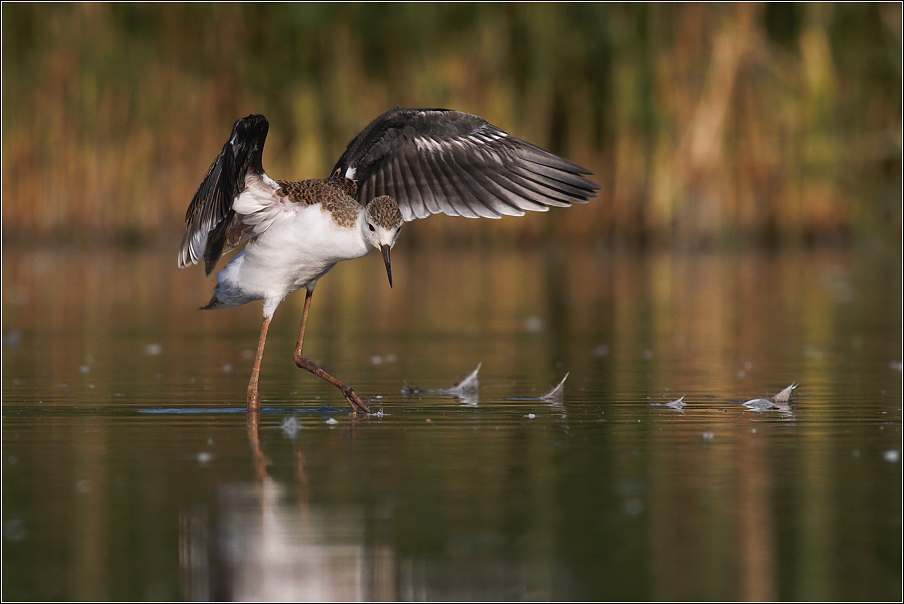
437, 160
210, 211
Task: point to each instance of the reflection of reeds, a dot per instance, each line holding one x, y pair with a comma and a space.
717, 521
703, 123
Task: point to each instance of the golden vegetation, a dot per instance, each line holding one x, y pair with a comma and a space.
705, 124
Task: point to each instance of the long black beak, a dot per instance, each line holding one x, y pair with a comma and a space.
385, 250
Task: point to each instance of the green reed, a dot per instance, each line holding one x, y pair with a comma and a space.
705, 124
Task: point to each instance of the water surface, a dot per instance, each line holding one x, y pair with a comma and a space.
130, 470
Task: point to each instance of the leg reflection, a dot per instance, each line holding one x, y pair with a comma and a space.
259, 544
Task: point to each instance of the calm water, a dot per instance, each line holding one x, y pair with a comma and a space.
130, 470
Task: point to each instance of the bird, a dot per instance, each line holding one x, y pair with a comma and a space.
405, 165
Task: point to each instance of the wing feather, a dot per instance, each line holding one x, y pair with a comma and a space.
212, 227
463, 165
444, 192
546, 186
436, 160
426, 183
458, 178
503, 200
518, 195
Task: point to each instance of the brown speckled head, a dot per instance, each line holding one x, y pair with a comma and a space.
383, 211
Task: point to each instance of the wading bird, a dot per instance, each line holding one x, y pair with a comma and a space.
406, 164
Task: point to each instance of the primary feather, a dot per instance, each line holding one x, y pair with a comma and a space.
441, 161
210, 220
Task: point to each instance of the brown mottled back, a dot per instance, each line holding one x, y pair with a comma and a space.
346, 184
332, 194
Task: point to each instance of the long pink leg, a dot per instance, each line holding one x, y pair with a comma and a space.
254, 397
305, 363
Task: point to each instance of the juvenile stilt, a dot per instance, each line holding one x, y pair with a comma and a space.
305, 363
447, 161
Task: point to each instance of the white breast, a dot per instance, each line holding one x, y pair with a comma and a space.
292, 253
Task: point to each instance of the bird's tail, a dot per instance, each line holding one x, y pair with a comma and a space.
226, 295
214, 303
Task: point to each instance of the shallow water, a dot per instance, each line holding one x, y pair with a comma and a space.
131, 471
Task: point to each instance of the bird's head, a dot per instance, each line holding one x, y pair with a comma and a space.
382, 225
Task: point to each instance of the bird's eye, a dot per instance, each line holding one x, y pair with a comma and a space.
371, 227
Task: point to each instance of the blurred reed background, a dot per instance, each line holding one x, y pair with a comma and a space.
765, 124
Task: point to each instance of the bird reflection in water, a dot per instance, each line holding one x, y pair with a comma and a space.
264, 546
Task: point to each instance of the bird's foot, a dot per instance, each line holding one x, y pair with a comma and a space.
354, 400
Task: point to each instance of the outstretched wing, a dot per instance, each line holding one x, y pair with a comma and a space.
436, 160
210, 216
